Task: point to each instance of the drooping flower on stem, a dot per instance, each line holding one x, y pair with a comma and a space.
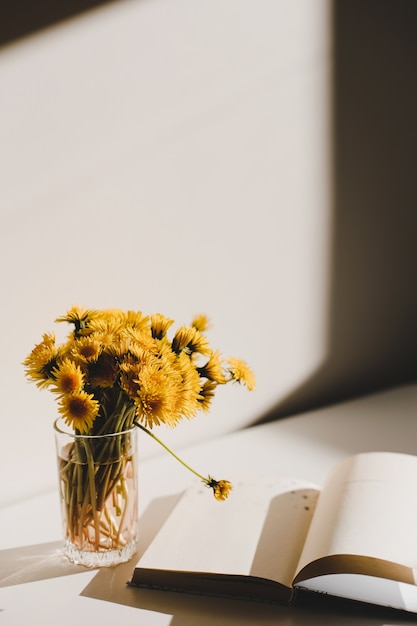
118, 362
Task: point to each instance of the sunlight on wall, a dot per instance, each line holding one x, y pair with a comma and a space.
160, 157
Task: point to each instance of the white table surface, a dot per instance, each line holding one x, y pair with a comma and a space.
37, 584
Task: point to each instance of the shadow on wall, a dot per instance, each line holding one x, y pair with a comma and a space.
372, 317
20, 18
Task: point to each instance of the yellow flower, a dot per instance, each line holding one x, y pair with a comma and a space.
134, 342
104, 326
40, 363
190, 386
159, 394
190, 340
241, 372
130, 369
160, 325
87, 349
213, 369
79, 410
221, 488
68, 377
200, 322
134, 319
207, 392
80, 317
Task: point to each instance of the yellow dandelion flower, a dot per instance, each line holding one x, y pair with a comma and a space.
199, 344
135, 320
105, 326
80, 317
207, 392
129, 376
190, 340
158, 396
120, 347
213, 369
184, 377
160, 325
241, 372
165, 355
111, 315
201, 322
79, 410
87, 349
190, 386
68, 377
40, 363
136, 341
182, 338
221, 488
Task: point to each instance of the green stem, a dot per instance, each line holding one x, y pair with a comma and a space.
93, 495
161, 443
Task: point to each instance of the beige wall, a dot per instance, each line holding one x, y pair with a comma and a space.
164, 157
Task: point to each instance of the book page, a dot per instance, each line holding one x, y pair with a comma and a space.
258, 531
367, 514
369, 589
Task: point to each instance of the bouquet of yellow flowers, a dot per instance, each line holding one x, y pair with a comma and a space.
118, 370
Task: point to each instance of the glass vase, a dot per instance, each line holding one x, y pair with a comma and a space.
98, 488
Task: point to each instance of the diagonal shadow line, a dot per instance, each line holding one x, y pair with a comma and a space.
21, 18
372, 300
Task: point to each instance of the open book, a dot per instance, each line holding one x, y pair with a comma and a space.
355, 537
